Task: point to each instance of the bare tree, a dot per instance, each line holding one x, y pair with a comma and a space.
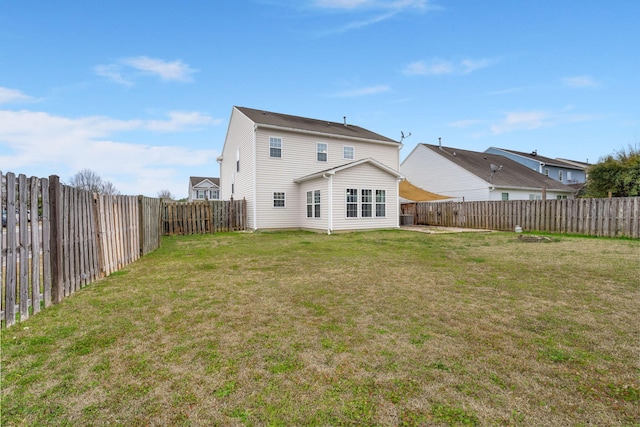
165, 194
109, 188
86, 179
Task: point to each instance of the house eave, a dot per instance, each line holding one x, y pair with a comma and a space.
337, 169
325, 134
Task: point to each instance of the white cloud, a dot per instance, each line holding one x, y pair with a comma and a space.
580, 81
382, 10
125, 70
13, 95
464, 123
529, 120
437, 67
179, 120
370, 90
175, 70
31, 140
112, 72
370, 4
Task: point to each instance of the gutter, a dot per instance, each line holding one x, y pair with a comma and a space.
329, 201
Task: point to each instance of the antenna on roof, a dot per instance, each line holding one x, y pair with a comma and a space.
494, 169
403, 136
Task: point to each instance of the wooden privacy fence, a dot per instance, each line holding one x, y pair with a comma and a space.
213, 216
58, 239
613, 217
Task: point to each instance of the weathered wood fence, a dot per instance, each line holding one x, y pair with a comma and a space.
58, 239
612, 217
213, 216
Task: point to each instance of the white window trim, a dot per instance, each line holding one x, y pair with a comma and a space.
353, 152
347, 203
325, 152
313, 204
374, 203
281, 147
284, 199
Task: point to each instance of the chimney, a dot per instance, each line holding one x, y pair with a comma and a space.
345, 120
440, 143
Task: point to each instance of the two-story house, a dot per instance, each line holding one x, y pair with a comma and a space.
302, 173
203, 188
566, 172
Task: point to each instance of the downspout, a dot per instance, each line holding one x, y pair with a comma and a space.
329, 202
255, 179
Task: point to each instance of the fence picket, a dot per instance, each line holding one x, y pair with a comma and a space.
59, 239
616, 217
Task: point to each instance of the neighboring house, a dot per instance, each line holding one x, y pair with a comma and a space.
203, 188
470, 175
565, 171
302, 173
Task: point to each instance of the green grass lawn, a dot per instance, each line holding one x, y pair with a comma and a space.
390, 328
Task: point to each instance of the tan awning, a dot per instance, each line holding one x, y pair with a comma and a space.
411, 192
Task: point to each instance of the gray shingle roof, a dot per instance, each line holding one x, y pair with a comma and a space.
546, 160
198, 179
512, 174
313, 125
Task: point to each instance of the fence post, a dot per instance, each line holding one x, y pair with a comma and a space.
55, 198
231, 217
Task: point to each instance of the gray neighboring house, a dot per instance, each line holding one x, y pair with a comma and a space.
475, 176
565, 171
203, 188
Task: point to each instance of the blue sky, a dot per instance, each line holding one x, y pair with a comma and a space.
141, 92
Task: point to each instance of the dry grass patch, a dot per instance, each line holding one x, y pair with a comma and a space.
379, 328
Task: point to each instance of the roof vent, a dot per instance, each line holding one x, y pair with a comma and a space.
345, 120
534, 153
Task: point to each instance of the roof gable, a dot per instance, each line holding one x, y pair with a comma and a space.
194, 181
285, 121
504, 172
337, 169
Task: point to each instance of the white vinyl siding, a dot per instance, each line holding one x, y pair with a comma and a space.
238, 145
427, 169
299, 160
377, 181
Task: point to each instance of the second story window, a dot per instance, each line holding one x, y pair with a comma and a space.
321, 152
275, 147
348, 152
